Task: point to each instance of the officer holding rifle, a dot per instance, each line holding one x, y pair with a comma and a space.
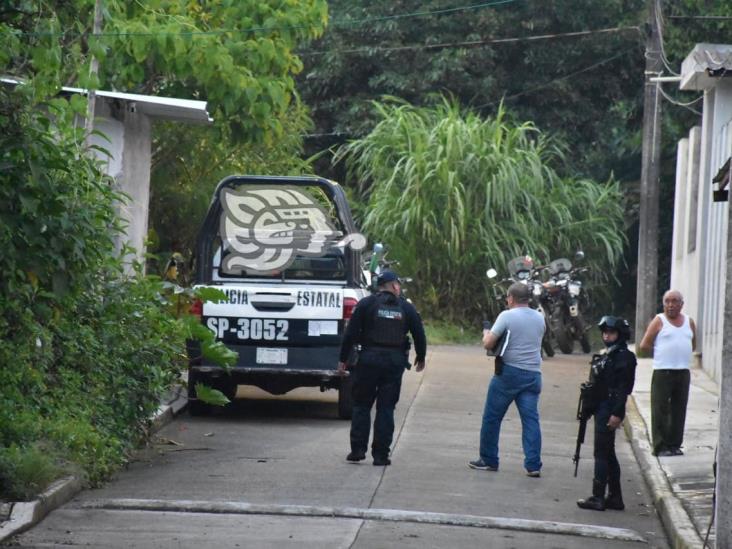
612, 376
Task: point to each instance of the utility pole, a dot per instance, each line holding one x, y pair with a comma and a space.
93, 71
647, 286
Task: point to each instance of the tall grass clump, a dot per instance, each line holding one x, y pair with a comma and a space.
452, 194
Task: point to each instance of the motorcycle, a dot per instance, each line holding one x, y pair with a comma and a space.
521, 269
378, 262
567, 301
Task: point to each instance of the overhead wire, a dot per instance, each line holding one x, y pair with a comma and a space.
659, 27
702, 17
667, 64
473, 43
686, 105
558, 79
332, 24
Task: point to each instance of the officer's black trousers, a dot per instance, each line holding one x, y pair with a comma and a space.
377, 378
607, 468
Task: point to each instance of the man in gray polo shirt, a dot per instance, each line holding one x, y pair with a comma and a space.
520, 381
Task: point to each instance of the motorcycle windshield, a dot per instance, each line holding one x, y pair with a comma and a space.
561, 265
521, 263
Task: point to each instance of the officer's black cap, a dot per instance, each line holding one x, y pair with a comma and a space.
386, 276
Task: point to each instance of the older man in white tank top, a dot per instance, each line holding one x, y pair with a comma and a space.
671, 336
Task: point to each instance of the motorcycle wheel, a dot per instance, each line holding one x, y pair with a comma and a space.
579, 326
585, 344
546, 346
564, 338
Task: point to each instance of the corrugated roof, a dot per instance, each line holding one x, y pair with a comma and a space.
164, 108
167, 108
704, 65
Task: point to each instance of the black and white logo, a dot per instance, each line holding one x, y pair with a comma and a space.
265, 228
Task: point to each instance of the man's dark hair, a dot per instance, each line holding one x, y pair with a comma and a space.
519, 292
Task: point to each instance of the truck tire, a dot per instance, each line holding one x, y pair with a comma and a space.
345, 398
226, 386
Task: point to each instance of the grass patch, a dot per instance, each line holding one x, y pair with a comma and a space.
444, 333
26, 471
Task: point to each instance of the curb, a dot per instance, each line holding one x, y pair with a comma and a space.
679, 528
370, 514
26, 514
176, 403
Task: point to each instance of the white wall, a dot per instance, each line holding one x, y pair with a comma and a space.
127, 142
698, 268
715, 236
135, 180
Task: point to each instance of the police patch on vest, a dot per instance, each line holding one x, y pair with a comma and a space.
391, 314
388, 324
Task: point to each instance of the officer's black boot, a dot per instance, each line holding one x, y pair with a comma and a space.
614, 499
596, 502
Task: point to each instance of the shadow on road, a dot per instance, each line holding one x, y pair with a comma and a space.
301, 403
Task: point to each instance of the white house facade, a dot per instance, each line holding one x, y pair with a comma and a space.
698, 263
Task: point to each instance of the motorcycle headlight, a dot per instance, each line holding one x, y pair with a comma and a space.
537, 290
575, 288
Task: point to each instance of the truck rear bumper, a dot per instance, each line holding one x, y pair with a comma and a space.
237, 370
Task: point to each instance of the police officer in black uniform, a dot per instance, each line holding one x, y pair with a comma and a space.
612, 377
380, 324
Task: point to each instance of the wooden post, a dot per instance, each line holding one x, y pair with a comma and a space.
647, 284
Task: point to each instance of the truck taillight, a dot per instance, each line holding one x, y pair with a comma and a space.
196, 308
349, 303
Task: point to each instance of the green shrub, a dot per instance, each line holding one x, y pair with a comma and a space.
25, 471
86, 349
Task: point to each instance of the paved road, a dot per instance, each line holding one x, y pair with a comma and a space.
270, 472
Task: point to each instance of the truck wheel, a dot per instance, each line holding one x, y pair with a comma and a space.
345, 398
227, 387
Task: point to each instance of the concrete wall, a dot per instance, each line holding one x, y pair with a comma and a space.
135, 179
715, 236
684, 257
698, 267
129, 161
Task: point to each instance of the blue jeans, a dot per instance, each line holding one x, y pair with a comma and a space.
523, 387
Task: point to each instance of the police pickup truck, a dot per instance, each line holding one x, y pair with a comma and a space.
286, 253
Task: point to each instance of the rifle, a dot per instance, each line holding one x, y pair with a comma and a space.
584, 412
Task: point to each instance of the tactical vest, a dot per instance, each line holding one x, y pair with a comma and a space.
600, 376
387, 322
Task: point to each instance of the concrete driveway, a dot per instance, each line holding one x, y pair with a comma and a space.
270, 472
